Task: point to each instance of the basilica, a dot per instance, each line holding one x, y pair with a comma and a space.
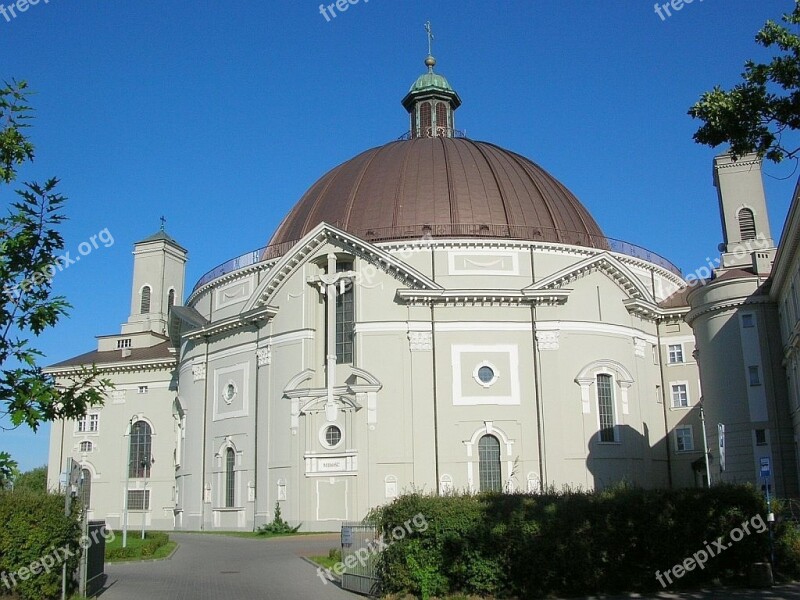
437, 314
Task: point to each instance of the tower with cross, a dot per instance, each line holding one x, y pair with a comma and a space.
159, 267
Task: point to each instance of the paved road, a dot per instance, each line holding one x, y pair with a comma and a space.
217, 567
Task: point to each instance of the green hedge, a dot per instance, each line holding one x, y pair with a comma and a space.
136, 547
574, 543
34, 528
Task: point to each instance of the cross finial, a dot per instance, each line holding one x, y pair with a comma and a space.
163, 223
430, 37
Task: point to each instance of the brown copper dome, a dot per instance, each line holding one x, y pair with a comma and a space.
442, 187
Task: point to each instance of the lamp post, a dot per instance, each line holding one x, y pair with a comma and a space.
127, 484
705, 443
145, 463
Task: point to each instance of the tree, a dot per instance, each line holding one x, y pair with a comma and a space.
29, 247
756, 113
34, 480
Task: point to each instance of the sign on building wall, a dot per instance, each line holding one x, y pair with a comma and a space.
721, 436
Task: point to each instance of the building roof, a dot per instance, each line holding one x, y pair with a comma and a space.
442, 187
159, 351
161, 236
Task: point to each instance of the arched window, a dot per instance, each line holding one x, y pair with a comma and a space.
425, 119
86, 488
145, 304
171, 299
230, 480
141, 450
441, 118
489, 464
86, 446
605, 407
747, 224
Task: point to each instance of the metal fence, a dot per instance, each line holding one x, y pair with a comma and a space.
360, 545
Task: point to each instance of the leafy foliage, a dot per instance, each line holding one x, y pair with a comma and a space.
755, 114
570, 543
136, 548
34, 480
34, 526
29, 247
278, 525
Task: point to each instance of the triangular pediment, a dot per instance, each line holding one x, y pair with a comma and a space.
327, 234
604, 262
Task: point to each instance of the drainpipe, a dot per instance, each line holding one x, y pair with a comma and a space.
203, 450
537, 389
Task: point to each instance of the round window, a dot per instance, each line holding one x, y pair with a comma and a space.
333, 435
486, 374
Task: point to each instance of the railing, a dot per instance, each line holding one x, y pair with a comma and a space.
455, 230
428, 132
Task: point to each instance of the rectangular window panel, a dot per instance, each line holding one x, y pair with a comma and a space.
684, 439
675, 353
138, 499
761, 437
345, 320
747, 321
230, 479
680, 396
755, 377
605, 407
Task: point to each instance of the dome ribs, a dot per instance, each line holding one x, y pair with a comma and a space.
486, 150
458, 187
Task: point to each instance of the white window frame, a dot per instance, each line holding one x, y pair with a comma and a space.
83, 442
676, 384
683, 428
614, 407
679, 354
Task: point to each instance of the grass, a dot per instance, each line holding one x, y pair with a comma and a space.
326, 562
260, 536
135, 545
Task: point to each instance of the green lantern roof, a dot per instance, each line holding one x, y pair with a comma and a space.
430, 80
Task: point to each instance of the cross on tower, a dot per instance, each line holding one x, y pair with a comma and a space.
163, 223
430, 37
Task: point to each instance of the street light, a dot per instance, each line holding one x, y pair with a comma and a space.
145, 463
133, 419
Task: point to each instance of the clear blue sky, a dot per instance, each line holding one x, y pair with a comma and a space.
219, 115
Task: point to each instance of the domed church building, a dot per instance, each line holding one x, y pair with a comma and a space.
436, 314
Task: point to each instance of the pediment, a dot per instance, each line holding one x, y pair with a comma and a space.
604, 262
328, 234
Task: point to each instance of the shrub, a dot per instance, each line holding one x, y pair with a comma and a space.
34, 528
278, 525
572, 543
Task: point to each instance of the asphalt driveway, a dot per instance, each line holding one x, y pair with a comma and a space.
218, 567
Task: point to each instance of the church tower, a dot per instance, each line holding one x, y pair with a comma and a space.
159, 267
743, 211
